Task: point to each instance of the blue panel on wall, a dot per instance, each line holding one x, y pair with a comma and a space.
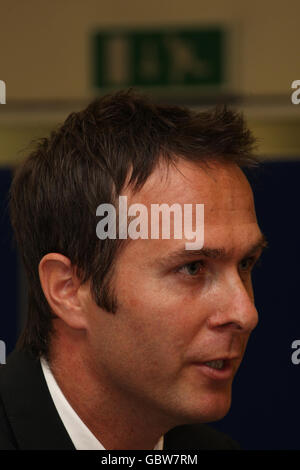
8, 271
265, 412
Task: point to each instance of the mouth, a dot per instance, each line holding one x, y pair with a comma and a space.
217, 369
218, 364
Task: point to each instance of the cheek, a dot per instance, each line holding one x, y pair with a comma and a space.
159, 316
165, 320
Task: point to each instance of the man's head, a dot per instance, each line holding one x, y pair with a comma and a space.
150, 314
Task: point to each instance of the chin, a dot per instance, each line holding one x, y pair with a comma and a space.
217, 413
207, 410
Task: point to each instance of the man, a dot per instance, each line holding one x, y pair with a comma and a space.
131, 343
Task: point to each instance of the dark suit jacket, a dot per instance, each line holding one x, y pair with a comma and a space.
29, 420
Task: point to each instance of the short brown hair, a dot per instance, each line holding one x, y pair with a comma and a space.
84, 163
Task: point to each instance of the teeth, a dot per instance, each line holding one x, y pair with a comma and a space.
216, 364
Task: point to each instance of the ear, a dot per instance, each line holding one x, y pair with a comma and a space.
61, 287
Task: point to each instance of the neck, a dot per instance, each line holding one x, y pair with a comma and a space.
110, 414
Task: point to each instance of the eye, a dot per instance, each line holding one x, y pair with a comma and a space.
192, 269
247, 264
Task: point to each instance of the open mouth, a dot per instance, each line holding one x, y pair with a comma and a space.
218, 369
218, 364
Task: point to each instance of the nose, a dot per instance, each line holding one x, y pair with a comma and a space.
235, 306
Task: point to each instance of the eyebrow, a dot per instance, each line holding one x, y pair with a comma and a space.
211, 253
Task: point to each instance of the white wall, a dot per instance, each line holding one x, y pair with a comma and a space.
44, 44
45, 56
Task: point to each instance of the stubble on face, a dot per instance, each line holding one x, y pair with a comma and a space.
166, 320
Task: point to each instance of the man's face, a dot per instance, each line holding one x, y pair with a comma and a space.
176, 312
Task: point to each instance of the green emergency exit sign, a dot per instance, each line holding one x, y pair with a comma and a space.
158, 58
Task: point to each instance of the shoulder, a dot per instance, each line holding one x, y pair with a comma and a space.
19, 377
7, 441
28, 417
19, 364
198, 437
12, 377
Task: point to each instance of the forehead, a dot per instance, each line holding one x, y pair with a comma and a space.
221, 187
229, 214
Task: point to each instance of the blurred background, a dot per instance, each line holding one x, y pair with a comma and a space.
57, 55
